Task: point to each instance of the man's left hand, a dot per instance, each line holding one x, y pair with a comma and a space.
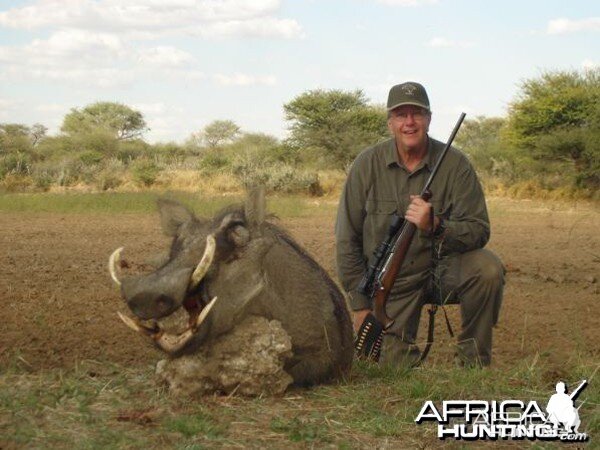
419, 213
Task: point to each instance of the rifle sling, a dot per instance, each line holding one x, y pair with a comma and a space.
430, 332
433, 308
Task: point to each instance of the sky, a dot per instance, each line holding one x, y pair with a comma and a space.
185, 63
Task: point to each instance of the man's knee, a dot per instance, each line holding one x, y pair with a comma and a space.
484, 266
481, 287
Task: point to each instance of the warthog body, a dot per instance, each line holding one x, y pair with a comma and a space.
256, 270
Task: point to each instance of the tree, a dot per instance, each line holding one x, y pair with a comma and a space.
479, 133
336, 123
216, 133
481, 139
557, 116
220, 131
16, 137
121, 121
37, 132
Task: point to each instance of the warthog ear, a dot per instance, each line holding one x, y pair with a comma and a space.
172, 216
255, 209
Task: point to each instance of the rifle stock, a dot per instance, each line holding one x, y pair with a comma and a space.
398, 255
399, 251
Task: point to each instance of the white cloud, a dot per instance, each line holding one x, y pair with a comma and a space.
157, 108
99, 77
100, 42
51, 108
74, 45
77, 61
264, 27
442, 42
240, 79
455, 110
5, 103
563, 26
77, 44
93, 59
5, 108
165, 56
167, 125
69, 55
148, 18
407, 2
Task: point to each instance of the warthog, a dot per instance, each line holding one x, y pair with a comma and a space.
233, 267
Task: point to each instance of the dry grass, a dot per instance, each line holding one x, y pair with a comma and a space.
219, 183
534, 190
98, 405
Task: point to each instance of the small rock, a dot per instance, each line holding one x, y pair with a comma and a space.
559, 279
511, 268
591, 279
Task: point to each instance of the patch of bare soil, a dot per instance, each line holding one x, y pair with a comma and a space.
59, 304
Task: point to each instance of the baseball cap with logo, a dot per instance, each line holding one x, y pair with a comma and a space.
409, 93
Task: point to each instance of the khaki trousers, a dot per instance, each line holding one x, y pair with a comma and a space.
475, 280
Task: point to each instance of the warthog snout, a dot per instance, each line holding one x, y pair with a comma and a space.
156, 295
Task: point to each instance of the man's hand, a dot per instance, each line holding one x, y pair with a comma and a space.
419, 213
358, 317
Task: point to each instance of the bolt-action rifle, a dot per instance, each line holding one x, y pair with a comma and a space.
389, 257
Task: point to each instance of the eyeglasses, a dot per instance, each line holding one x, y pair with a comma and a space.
418, 115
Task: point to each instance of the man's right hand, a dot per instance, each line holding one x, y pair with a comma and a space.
358, 317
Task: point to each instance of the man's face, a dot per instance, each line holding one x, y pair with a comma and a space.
409, 125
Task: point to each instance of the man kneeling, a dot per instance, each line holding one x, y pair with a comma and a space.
386, 179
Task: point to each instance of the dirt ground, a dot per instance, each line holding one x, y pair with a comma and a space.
59, 304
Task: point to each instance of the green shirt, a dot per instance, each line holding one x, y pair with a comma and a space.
379, 185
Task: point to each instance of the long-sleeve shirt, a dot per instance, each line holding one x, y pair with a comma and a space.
379, 185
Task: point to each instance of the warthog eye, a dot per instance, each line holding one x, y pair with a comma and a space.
239, 235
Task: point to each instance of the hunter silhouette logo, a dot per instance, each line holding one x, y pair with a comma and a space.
409, 89
508, 419
561, 409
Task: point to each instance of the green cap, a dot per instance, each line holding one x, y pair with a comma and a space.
409, 93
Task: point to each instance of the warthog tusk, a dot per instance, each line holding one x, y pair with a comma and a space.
205, 262
112, 265
205, 312
136, 326
170, 343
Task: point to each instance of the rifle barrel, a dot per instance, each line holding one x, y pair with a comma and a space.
446, 147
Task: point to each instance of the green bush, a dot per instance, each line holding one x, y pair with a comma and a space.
54, 148
98, 141
213, 160
91, 157
111, 176
170, 152
16, 183
129, 151
145, 172
278, 177
65, 172
42, 180
15, 163
107, 180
